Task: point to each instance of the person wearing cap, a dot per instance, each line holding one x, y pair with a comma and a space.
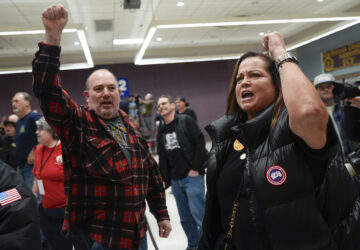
182, 107
49, 183
9, 127
324, 85
25, 137
7, 144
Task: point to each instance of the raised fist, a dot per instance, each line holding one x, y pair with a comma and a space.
274, 44
54, 19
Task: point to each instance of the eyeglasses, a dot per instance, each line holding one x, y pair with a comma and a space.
325, 86
40, 127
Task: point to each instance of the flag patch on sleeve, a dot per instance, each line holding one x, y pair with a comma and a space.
9, 196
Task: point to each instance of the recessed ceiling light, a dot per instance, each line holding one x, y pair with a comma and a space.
159, 39
261, 33
180, 4
76, 43
127, 41
320, 1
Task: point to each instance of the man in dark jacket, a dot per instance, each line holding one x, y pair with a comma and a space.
7, 144
181, 149
19, 219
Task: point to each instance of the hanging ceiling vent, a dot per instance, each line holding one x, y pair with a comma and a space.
132, 4
104, 25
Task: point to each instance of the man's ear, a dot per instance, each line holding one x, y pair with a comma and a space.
86, 95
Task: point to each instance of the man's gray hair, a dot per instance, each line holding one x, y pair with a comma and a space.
26, 95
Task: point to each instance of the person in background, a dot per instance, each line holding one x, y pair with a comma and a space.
9, 127
7, 145
49, 183
324, 85
25, 137
181, 150
182, 107
138, 106
13, 118
133, 110
2, 129
147, 108
280, 180
124, 105
109, 171
345, 114
19, 217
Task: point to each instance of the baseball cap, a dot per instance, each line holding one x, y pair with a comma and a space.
7, 122
323, 78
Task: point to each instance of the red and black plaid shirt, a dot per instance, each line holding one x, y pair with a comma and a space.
104, 196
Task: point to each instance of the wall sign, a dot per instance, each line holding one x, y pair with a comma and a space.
340, 58
123, 83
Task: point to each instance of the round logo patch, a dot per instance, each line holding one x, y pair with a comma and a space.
59, 160
276, 175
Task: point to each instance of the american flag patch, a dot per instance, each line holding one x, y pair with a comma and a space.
9, 196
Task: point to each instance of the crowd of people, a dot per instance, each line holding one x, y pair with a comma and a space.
282, 173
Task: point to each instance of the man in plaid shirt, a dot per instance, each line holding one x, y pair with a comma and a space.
109, 171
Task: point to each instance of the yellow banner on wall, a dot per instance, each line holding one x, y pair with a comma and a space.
340, 58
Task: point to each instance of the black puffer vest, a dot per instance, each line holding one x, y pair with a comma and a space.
295, 214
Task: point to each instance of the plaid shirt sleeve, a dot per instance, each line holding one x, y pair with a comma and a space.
55, 102
156, 203
110, 204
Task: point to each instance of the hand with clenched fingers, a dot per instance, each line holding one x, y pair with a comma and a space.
54, 19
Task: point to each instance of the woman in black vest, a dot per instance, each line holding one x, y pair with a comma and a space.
279, 182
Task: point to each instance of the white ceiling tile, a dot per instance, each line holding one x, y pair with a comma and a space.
26, 14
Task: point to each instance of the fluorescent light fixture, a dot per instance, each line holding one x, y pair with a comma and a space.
69, 66
256, 22
81, 34
180, 4
5, 72
31, 32
85, 47
324, 35
189, 59
145, 44
127, 41
140, 61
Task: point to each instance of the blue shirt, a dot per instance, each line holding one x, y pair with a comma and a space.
338, 115
25, 137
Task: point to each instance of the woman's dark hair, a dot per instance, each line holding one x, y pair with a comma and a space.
183, 100
232, 105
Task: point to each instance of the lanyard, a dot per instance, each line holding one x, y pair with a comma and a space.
42, 158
